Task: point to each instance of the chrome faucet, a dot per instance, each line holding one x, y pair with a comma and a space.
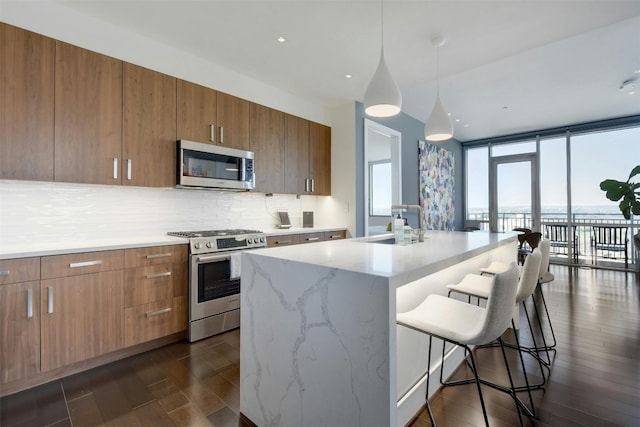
420, 219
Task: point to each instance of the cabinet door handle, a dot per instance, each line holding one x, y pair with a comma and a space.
159, 255
49, 300
212, 129
313, 185
5, 272
306, 185
157, 312
312, 239
115, 168
155, 276
221, 135
129, 169
29, 303
85, 263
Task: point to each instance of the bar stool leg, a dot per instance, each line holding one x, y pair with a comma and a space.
428, 405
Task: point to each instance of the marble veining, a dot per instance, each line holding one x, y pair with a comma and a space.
315, 339
319, 325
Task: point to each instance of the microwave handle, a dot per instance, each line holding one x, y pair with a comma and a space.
243, 169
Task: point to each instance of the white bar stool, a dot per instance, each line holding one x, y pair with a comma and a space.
467, 325
480, 287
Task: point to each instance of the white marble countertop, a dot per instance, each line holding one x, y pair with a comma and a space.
400, 263
45, 247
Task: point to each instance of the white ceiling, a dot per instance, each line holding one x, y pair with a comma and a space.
507, 66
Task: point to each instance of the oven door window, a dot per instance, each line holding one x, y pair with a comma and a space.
214, 281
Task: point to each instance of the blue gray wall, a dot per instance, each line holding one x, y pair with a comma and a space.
412, 130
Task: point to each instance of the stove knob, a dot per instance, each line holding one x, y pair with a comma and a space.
262, 240
250, 240
209, 244
197, 245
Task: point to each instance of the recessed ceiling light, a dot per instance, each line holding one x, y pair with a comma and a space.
637, 71
348, 76
458, 120
466, 125
281, 39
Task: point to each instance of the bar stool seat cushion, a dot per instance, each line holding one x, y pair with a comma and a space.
446, 317
495, 267
546, 277
475, 285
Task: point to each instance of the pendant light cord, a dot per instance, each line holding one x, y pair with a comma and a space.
381, 25
438, 71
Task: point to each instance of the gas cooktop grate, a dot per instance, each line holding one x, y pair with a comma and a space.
212, 233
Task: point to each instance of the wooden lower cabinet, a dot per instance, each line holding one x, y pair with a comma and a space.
154, 320
282, 240
155, 289
81, 317
300, 238
19, 331
335, 235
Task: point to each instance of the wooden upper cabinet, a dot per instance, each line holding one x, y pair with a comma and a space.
26, 104
205, 115
149, 128
320, 159
197, 112
88, 116
233, 121
267, 142
296, 154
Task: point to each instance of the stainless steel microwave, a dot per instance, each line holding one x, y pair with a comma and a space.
203, 165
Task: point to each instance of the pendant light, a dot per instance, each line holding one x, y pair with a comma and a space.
438, 126
382, 97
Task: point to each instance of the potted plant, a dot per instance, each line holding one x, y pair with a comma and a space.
629, 195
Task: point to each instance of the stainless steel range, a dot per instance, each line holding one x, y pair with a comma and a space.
214, 278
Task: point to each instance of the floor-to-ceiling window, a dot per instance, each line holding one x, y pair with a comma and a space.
568, 168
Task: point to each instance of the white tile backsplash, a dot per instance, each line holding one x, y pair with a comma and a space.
32, 211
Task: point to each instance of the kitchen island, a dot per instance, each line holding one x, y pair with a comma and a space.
319, 342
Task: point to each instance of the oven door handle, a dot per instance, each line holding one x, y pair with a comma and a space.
209, 258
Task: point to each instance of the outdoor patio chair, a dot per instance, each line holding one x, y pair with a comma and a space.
607, 241
558, 235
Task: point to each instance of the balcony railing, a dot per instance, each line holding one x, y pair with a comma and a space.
583, 224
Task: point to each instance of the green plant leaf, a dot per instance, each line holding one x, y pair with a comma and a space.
635, 171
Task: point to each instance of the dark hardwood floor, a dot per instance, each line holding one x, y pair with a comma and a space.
594, 378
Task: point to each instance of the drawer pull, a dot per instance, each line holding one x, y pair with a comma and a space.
29, 303
5, 272
159, 255
283, 242
85, 263
155, 276
312, 239
49, 300
335, 236
155, 313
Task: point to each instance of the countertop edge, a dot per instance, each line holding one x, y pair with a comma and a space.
72, 248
